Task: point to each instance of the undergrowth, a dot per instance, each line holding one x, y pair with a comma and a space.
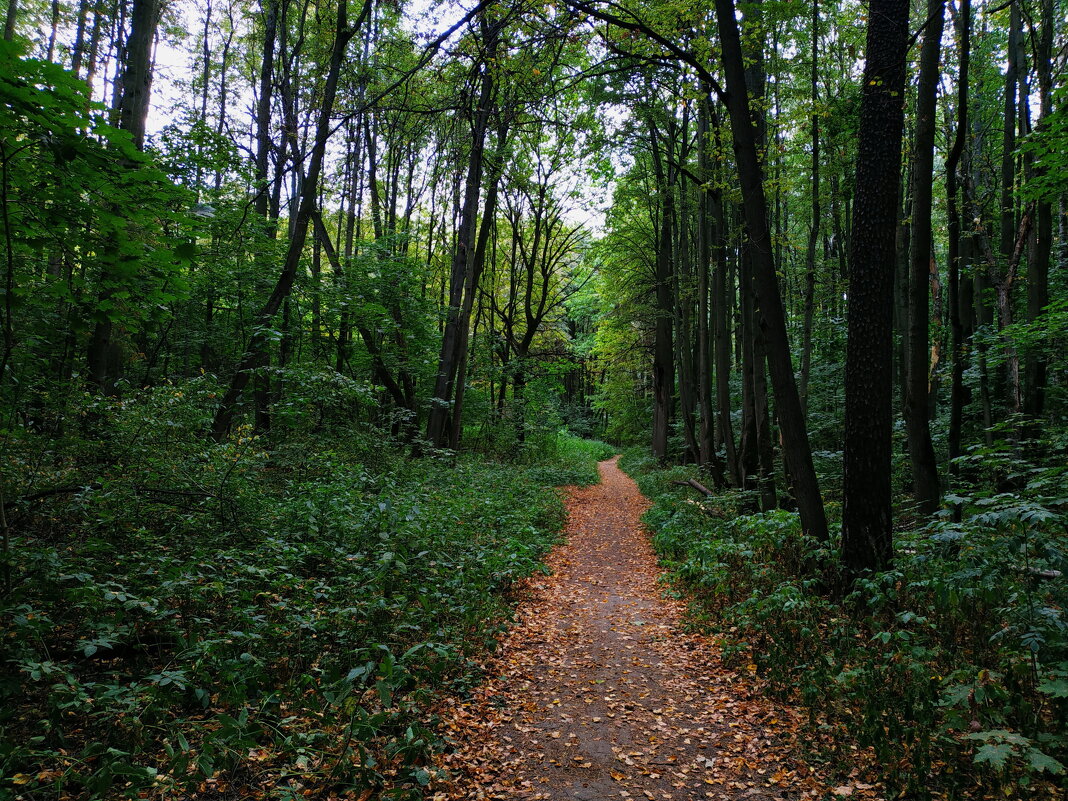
952, 667
185, 616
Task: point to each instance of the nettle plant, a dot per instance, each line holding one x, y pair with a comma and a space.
995, 579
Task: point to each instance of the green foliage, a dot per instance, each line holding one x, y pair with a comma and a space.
953, 663
78, 197
574, 462
186, 609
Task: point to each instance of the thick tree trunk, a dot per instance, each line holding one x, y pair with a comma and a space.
867, 533
925, 487
796, 450
10, 19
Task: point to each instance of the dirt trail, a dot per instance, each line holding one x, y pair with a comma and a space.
597, 694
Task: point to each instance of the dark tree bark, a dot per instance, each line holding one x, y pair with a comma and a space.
663, 346
10, 19
104, 355
1008, 216
867, 533
925, 487
263, 107
1041, 246
814, 223
474, 277
796, 450
708, 201
748, 438
957, 305
721, 306
137, 72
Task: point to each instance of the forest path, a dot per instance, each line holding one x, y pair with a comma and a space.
596, 693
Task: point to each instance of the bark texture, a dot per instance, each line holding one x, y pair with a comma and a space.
867, 535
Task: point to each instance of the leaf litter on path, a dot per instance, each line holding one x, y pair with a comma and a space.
596, 692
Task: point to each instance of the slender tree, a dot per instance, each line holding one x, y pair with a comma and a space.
917, 375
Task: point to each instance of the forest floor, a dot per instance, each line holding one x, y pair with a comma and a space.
598, 693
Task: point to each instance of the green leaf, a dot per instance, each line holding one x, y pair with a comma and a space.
994, 753
1042, 762
1058, 688
186, 251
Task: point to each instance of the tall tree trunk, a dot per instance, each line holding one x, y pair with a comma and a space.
748, 437
663, 347
705, 236
954, 255
104, 355
721, 307
867, 532
925, 487
259, 340
53, 31
682, 289
814, 223
1041, 250
1008, 214
472, 283
796, 450
449, 358
263, 107
10, 19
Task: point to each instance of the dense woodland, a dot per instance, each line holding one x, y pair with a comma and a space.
307, 307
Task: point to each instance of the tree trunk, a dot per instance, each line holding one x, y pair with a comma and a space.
954, 255
263, 107
867, 533
104, 355
796, 449
1041, 250
748, 453
814, 223
663, 348
10, 19
705, 236
474, 276
437, 430
925, 488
